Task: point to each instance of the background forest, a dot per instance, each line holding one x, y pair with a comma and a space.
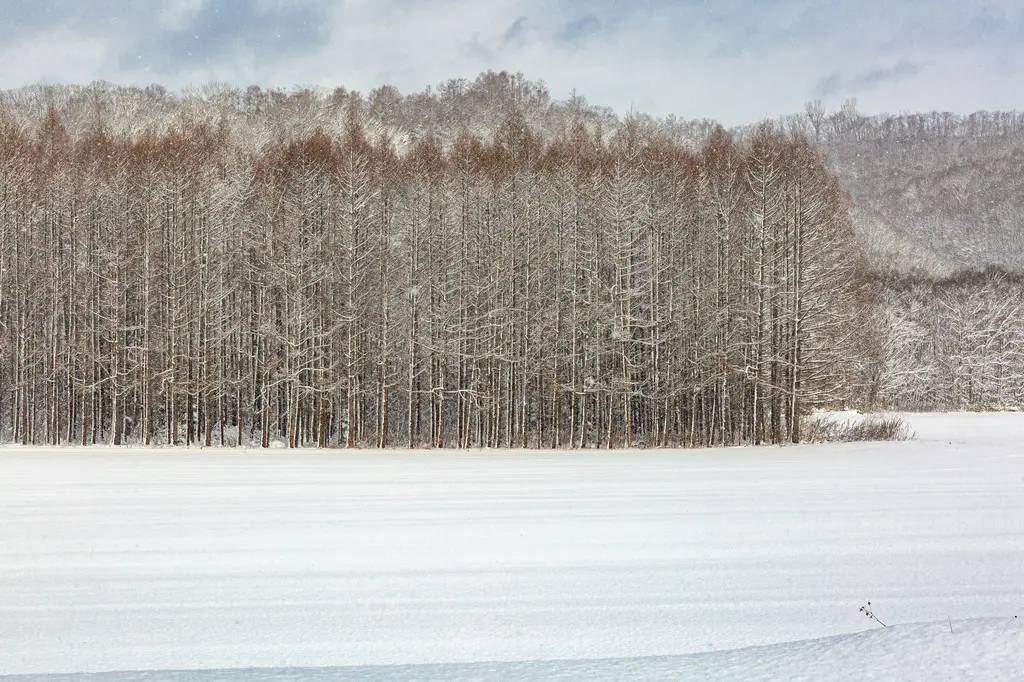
480, 265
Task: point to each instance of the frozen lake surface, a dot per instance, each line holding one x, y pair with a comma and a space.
301, 561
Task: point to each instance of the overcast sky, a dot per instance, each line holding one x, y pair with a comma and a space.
734, 60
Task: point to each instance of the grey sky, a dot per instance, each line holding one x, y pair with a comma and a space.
735, 60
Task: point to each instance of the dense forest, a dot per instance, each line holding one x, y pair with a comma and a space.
473, 266
937, 206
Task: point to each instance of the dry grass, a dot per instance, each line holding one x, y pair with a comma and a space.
824, 429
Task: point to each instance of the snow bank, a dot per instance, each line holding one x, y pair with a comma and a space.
990, 650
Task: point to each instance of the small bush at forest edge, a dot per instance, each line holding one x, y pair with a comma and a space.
824, 429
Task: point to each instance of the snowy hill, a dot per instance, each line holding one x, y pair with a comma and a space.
939, 202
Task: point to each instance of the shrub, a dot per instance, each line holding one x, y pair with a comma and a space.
825, 429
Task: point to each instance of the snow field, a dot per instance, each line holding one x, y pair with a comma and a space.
163, 560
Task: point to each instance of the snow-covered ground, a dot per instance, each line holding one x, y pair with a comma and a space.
983, 650
161, 560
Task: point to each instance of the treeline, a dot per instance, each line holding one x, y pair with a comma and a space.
888, 131
954, 343
185, 283
479, 105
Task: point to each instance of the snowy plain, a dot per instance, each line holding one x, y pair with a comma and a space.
271, 565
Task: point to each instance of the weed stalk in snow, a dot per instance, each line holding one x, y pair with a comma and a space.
866, 610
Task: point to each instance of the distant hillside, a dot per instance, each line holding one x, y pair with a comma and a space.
939, 198
938, 203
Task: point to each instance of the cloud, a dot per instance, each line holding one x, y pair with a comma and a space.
858, 83
175, 14
208, 32
578, 30
515, 33
68, 57
735, 60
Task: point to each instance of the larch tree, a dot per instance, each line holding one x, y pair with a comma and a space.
260, 268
